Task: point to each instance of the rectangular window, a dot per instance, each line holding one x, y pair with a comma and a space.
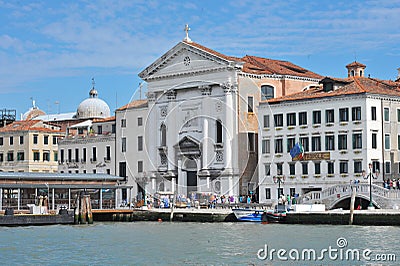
265, 146
386, 114
292, 191
140, 143
292, 168
113, 128
1, 157
316, 143
343, 167
331, 168
279, 168
122, 169
316, 117
330, 116
123, 144
267, 169
36, 156
278, 120
123, 122
330, 143
398, 115
140, 166
373, 113
343, 114
251, 140
267, 193
305, 143
77, 155
250, 104
375, 166
35, 139
1, 141
398, 142
290, 143
302, 118
21, 140
84, 158
99, 130
108, 153
20, 156
62, 156
46, 140
357, 141
55, 156
357, 167
11, 140
10, 156
278, 145
388, 169
387, 141
317, 168
304, 168
69, 155
140, 121
342, 142
291, 119
356, 113
94, 154
266, 121
374, 141
54, 140
46, 156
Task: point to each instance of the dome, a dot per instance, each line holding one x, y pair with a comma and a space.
33, 112
93, 107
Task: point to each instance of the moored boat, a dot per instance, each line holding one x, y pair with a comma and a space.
278, 214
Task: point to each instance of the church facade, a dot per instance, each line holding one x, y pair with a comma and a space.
201, 129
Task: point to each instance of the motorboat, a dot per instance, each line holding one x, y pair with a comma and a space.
278, 214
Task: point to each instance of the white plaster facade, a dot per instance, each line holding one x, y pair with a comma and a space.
201, 130
365, 129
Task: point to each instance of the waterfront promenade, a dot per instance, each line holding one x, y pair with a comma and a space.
379, 217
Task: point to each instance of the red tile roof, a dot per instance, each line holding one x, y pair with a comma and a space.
259, 65
27, 125
101, 120
355, 64
356, 85
134, 104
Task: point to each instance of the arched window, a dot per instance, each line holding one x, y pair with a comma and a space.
219, 131
267, 92
352, 73
163, 130
361, 73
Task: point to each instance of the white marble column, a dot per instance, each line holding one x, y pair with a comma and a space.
1, 198
205, 144
101, 199
173, 181
69, 198
181, 180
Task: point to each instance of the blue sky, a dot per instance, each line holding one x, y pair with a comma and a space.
50, 50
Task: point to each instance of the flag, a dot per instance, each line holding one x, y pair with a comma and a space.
297, 152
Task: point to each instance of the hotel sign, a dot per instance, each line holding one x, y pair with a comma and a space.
315, 156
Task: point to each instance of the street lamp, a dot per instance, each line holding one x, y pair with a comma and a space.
279, 179
370, 176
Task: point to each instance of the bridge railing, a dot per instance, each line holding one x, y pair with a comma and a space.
331, 193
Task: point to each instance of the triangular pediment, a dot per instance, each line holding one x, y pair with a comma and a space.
188, 142
185, 58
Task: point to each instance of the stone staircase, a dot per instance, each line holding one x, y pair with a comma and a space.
381, 197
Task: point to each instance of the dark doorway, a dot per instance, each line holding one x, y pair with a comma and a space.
191, 181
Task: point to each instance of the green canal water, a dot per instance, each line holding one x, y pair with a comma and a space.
152, 243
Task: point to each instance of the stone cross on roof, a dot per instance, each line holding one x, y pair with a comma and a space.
187, 29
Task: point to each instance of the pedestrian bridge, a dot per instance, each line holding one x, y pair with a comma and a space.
335, 196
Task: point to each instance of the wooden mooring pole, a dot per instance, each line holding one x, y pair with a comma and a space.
352, 201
